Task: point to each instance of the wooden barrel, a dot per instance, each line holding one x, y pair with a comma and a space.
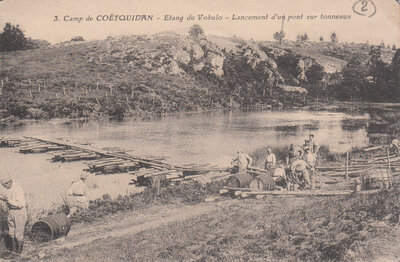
263, 182
239, 180
376, 179
51, 227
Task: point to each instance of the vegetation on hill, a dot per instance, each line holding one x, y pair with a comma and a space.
167, 72
13, 38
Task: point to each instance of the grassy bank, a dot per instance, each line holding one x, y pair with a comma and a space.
188, 194
275, 229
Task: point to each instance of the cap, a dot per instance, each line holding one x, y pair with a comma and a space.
5, 179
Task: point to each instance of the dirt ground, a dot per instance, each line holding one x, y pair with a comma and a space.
224, 230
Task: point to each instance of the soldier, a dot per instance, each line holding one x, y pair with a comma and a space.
270, 160
279, 176
243, 160
14, 197
77, 194
395, 146
314, 147
298, 174
310, 159
295, 152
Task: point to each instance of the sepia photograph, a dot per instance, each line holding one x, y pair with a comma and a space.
213, 130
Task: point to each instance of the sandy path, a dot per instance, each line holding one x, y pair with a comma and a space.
128, 223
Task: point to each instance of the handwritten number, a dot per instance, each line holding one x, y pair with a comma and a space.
55, 18
364, 6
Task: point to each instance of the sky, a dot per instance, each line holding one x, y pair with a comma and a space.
36, 18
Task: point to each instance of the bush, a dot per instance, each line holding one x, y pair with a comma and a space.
334, 228
12, 38
186, 193
17, 109
196, 30
77, 38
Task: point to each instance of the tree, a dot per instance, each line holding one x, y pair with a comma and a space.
334, 38
279, 36
77, 38
315, 74
302, 37
196, 30
355, 84
12, 38
36, 43
321, 38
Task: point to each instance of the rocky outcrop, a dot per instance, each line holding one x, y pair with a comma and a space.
217, 62
174, 54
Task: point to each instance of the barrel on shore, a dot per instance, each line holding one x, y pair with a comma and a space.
239, 180
378, 178
51, 227
262, 182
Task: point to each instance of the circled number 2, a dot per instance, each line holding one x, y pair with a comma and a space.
364, 8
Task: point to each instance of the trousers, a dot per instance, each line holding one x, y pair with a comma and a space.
16, 222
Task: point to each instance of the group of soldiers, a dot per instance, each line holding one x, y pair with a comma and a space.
301, 163
299, 169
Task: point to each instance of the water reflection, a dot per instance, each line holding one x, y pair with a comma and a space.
207, 138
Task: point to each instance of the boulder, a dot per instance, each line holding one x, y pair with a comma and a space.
182, 56
198, 67
197, 51
302, 67
174, 69
217, 63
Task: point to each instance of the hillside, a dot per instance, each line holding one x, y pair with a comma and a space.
331, 56
158, 74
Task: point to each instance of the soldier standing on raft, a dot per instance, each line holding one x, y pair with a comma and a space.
243, 160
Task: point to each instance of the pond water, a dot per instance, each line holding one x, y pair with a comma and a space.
191, 138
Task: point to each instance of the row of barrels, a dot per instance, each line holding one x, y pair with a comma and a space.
377, 178
245, 180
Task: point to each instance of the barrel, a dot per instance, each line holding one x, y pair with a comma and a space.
263, 182
379, 178
51, 227
239, 180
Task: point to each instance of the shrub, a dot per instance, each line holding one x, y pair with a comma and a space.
185, 193
334, 228
77, 38
196, 30
12, 38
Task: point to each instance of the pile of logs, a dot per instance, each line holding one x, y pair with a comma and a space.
146, 171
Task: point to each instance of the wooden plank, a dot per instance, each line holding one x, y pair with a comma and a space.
309, 193
372, 148
237, 189
159, 173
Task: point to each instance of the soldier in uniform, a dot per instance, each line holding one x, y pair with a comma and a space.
14, 197
243, 160
270, 160
295, 153
77, 195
